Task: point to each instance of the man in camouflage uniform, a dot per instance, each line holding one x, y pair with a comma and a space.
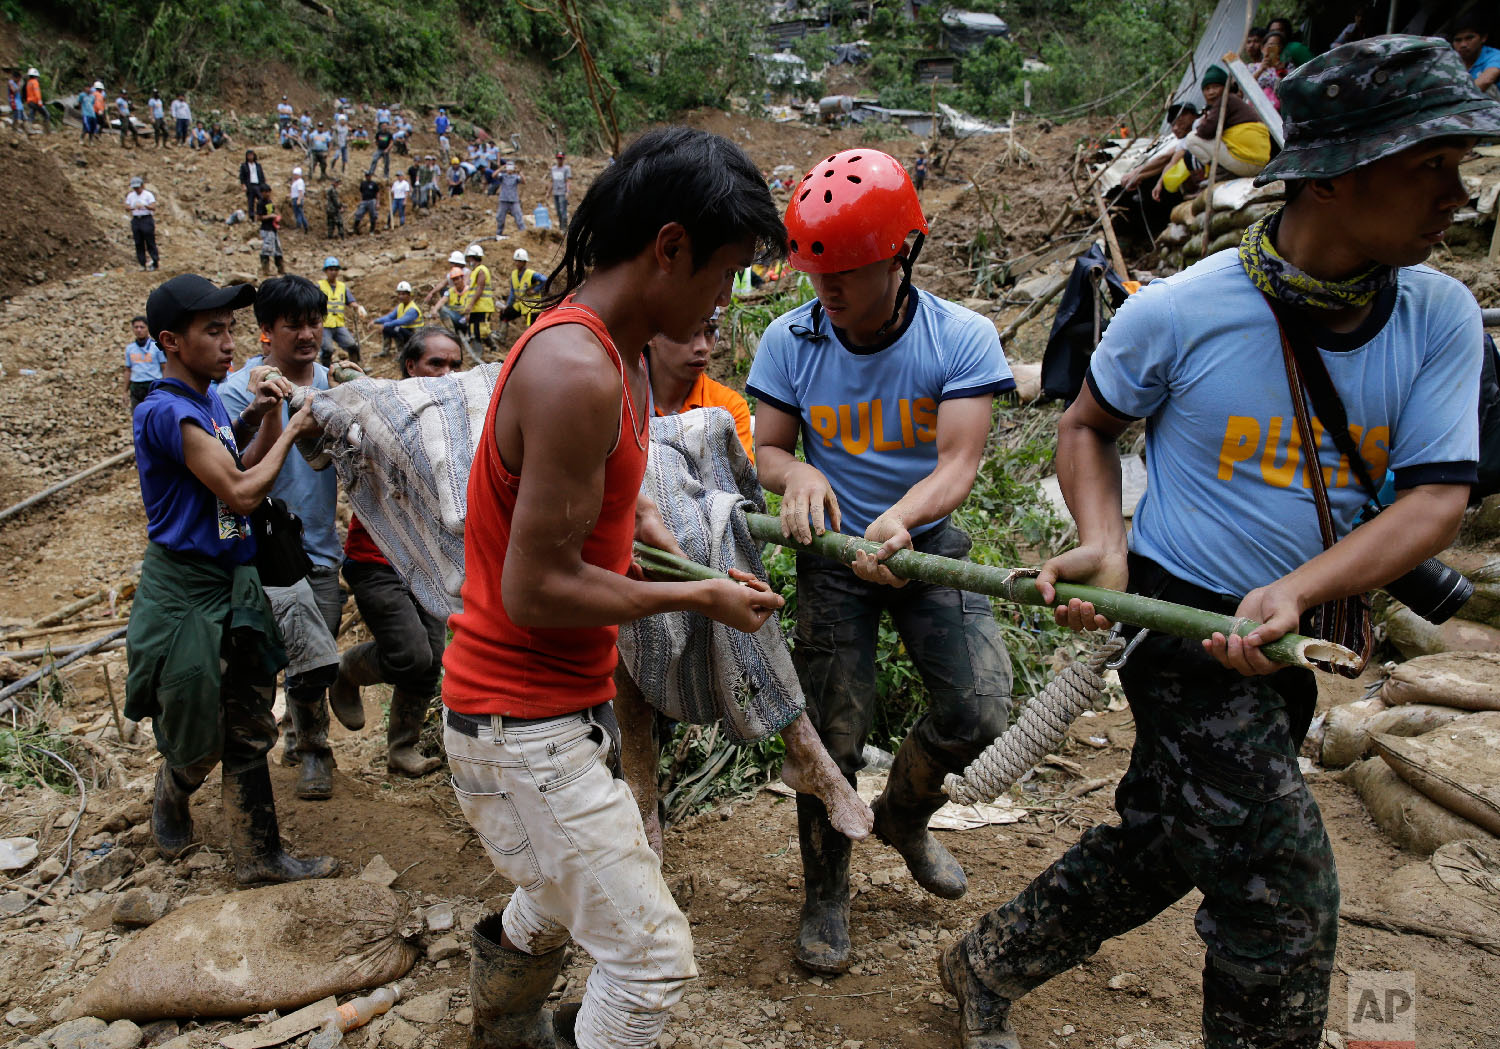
1213, 798
333, 210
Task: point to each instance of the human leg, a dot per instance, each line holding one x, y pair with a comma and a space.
307, 692
953, 641
838, 616
151, 244
567, 834
138, 234
346, 341
561, 203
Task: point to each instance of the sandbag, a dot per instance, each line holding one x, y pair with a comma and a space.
1470, 680
1408, 816
1457, 889
279, 947
1349, 727
1413, 636
1459, 768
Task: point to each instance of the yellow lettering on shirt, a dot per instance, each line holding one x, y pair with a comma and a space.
878, 428
1375, 449
855, 444
1280, 476
924, 412
1241, 439
906, 434
824, 422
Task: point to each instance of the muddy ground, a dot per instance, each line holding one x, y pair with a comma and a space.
736, 868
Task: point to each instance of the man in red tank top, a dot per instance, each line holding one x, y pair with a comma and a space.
554, 505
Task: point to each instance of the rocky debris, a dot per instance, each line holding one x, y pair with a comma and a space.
100, 871
378, 872
1124, 982
401, 1035
20, 1017
125, 817
140, 907
428, 1009
73, 1033
159, 1031
444, 947
122, 1034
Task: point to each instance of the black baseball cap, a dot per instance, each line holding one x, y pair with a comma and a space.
170, 303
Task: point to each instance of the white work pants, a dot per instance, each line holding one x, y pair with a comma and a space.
1205, 148
559, 826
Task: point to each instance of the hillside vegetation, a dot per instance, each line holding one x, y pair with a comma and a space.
654, 58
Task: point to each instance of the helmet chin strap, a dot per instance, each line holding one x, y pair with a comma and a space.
908, 261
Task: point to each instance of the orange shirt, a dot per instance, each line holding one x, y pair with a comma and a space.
709, 393
33, 91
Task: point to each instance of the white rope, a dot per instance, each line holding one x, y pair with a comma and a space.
1043, 724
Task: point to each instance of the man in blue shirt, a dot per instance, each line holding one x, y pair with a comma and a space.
1214, 799
290, 313
1471, 41
202, 646
890, 389
143, 361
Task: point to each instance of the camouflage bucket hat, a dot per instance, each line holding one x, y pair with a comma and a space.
1367, 100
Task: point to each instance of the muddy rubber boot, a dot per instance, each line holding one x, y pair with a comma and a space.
983, 1015
255, 836
913, 792
289, 742
823, 938
171, 820
280, 266
358, 666
403, 729
265, 265
508, 991
309, 712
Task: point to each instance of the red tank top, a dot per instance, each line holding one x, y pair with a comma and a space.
492, 665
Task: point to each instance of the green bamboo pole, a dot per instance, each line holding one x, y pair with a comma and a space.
1164, 617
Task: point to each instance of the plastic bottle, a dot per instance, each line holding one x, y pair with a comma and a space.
359, 1011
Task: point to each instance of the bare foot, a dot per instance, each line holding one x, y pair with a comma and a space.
808, 769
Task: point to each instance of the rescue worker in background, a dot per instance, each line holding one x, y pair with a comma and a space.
452, 288
336, 333
408, 641
525, 283
403, 319
479, 301
892, 389
333, 209
32, 93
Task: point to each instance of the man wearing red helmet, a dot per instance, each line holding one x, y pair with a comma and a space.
891, 388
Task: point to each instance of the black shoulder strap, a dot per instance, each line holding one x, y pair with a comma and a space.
1324, 396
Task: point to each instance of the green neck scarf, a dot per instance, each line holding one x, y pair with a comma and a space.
1282, 281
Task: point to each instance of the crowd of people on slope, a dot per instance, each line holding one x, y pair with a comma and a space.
1178, 165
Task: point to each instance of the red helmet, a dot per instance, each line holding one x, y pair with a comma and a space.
855, 208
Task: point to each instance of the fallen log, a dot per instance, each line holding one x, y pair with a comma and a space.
1020, 586
124, 590
28, 633
47, 493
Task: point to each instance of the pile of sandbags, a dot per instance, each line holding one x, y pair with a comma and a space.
1432, 735
1237, 203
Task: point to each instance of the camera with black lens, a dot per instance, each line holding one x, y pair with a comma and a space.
1432, 590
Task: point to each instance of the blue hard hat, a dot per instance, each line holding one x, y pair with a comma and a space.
331, 263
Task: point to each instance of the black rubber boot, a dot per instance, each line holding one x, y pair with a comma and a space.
309, 710
255, 837
823, 939
913, 792
403, 729
358, 666
171, 820
983, 1015
508, 991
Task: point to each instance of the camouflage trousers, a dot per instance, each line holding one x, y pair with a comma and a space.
950, 635
1213, 800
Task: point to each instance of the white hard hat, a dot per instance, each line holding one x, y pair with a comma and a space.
32, 72
404, 286
510, 165
474, 251
456, 258
98, 85
521, 256
296, 171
